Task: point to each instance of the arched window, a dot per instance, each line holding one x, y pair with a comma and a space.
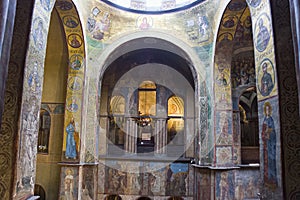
175, 125
39, 191
146, 111
44, 132
147, 99
249, 127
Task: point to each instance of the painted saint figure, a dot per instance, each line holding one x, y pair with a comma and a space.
224, 187
68, 182
222, 80
263, 36
269, 146
34, 79
266, 81
71, 144
144, 25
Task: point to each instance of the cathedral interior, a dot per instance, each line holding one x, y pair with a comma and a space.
150, 99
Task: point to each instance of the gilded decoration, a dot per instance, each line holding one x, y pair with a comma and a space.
76, 67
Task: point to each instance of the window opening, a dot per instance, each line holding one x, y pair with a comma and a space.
44, 131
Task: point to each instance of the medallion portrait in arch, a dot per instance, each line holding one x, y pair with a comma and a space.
46, 4
64, 5
75, 83
74, 40
144, 22
73, 104
254, 3
229, 21
262, 31
76, 61
236, 6
70, 21
266, 77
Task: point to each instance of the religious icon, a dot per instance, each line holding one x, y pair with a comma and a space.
76, 61
34, 79
74, 40
101, 26
144, 22
46, 4
71, 143
75, 83
266, 81
229, 21
221, 80
263, 35
269, 146
70, 21
254, 3
37, 33
72, 104
64, 5
69, 184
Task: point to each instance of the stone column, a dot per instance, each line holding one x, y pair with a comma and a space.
160, 133
131, 135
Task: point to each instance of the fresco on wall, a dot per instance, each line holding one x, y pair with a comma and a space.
243, 70
28, 141
176, 179
224, 185
198, 28
69, 183
154, 179
98, 24
157, 177
116, 180
247, 183
203, 185
224, 155
223, 128
223, 92
89, 176
269, 140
